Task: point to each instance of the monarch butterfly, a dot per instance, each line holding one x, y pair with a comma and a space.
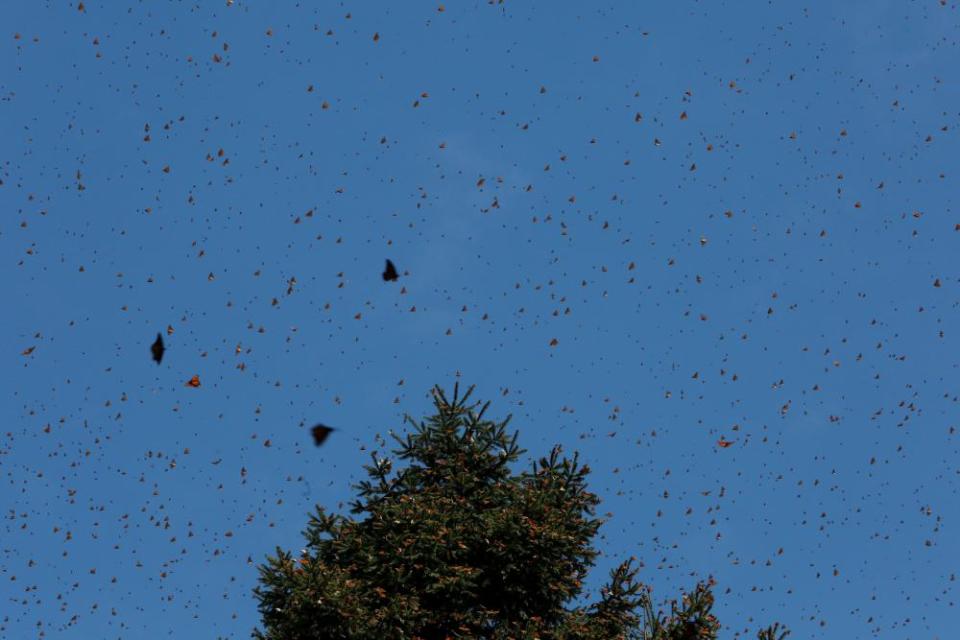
390, 273
193, 382
724, 443
157, 349
320, 434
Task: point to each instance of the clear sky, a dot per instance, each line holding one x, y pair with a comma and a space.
737, 220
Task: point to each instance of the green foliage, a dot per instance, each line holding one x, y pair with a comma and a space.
457, 546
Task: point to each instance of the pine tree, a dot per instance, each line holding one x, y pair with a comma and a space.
456, 546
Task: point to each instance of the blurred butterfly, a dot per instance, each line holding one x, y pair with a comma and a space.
193, 382
390, 273
724, 443
157, 349
321, 433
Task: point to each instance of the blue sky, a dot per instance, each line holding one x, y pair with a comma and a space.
780, 176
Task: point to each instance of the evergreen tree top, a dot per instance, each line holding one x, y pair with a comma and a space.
455, 545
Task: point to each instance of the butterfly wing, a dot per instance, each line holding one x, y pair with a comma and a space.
157, 349
320, 434
390, 273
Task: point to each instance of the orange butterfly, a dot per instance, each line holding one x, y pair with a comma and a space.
724, 443
193, 382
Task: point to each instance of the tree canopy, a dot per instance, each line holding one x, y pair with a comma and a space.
455, 545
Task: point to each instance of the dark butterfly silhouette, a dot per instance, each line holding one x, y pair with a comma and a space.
157, 349
321, 433
390, 273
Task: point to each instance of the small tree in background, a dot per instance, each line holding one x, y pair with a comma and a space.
455, 546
